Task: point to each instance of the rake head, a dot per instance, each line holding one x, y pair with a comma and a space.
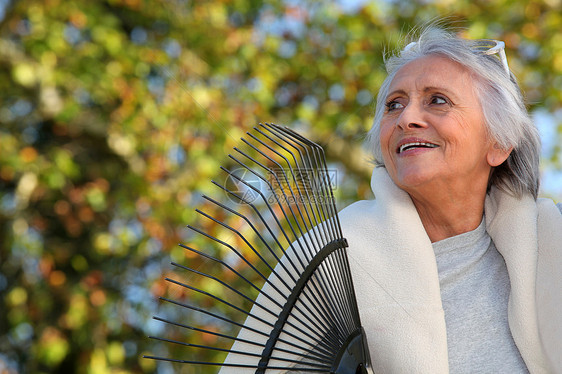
272, 289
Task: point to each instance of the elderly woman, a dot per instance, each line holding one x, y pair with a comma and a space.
457, 265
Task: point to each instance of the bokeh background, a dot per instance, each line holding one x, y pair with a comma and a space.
116, 114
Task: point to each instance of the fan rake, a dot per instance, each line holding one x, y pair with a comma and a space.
282, 242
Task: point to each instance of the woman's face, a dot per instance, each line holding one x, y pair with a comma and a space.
433, 129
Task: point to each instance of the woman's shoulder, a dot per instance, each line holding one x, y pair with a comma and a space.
357, 208
358, 217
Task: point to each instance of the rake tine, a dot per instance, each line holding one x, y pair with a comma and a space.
234, 271
239, 293
236, 252
232, 305
235, 351
230, 228
197, 329
291, 137
313, 162
256, 210
316, 307
294, 178
315, 356
285, 197
224, 284
317, 370
238, 309
259, 192
247, 327
255, 230
189, 287
279, 225
277, 143
287, 234
257, 174
322, 166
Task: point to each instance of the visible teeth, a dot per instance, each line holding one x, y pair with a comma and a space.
403, 147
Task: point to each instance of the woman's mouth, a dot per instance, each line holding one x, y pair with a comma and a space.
413, 145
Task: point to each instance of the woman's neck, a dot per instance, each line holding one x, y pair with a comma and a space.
449, 214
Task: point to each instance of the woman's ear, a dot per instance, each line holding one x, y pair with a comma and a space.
497, 155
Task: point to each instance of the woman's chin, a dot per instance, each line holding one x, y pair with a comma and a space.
411, 179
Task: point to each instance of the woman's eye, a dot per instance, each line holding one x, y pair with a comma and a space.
438, 100
393, 105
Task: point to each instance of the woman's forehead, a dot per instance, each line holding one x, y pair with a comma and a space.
432, 71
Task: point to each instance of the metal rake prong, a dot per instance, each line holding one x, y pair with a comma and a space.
252, 226
310, 165
314, 161
209, 332
322, 311
281, 168
275, 132
230, 288
262, 219
318, 159
308, 254
259, 192
238, 274
245, 326
265, 168
269, 208
278, 144
286, 233
295, 178
226, 285
236, 232
234, 250
230, 304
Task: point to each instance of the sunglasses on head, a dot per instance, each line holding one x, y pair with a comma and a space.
492, 47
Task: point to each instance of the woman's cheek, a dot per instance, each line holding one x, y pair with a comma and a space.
385, 134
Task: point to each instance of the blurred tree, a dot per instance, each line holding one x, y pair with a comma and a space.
115, 115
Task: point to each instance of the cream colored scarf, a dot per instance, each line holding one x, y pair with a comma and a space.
397, 286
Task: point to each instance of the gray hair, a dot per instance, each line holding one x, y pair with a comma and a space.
503, 107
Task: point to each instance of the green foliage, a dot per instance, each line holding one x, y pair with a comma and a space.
116, 114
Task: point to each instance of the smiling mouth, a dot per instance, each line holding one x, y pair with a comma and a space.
407, 146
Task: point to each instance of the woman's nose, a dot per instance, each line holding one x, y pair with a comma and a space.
412, 117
